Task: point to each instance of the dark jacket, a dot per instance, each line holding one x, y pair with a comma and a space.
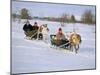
35, 27
27, 27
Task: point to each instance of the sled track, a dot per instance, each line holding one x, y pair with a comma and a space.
56, 49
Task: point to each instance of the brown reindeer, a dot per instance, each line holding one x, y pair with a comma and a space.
75, 40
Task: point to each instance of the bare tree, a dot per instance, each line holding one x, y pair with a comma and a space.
87, 17
73, 20
94, 19
63, 19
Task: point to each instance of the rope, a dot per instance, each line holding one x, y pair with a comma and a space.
63, 44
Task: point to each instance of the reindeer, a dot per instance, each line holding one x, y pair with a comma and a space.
75, 40
43, 32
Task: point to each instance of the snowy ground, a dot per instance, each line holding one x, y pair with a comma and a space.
37, 56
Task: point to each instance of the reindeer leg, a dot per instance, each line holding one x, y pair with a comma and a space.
71, 48
76, 48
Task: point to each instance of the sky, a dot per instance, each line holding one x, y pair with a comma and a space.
50, 9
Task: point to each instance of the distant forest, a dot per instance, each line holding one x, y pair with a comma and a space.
87, 17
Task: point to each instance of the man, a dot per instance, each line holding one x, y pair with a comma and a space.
35, 26
35, 29
60, 38
60, 35
28, 28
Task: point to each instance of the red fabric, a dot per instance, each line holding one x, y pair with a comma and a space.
60, 33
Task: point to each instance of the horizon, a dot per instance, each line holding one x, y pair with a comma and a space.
51, 9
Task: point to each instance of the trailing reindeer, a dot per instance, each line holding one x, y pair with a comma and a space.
45, 31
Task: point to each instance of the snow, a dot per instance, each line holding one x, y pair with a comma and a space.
37, 56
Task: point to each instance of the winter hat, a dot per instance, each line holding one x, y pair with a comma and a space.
60, 29
35, 23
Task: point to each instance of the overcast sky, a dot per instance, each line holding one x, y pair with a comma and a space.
48, 9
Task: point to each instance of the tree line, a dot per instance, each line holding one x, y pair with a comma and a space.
87, 17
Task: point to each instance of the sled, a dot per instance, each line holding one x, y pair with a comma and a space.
31, 34
65, 44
